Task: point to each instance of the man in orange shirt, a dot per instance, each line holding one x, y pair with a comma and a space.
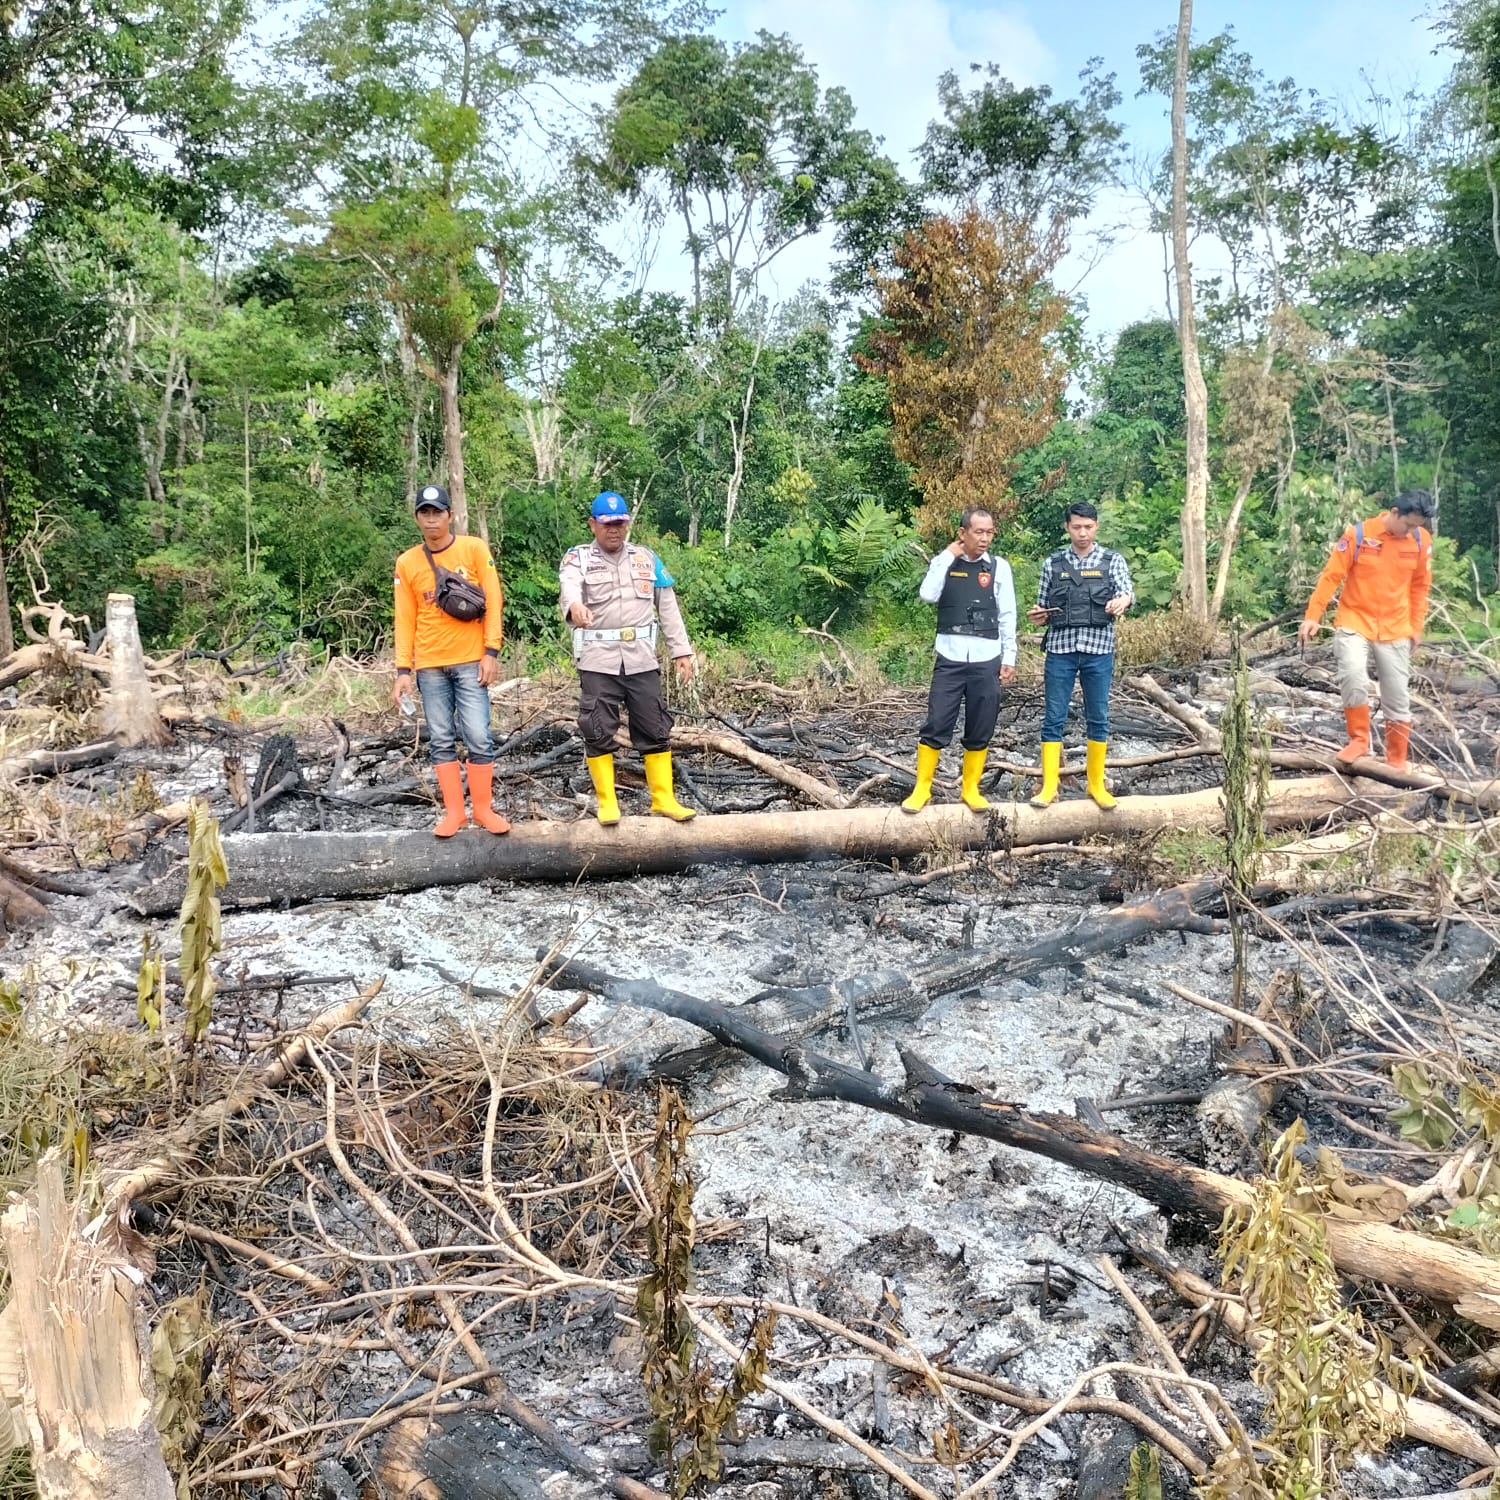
452, 642
1385, 568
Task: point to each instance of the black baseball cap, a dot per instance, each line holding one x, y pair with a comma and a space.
432, 497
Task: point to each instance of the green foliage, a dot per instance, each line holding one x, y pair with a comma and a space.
690, 1411
1143, 1481
1027, 157
1247, 774
151, 984
202, 934
1323, 1403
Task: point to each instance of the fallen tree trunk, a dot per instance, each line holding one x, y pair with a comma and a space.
1438, 1269
87, 1413
53, 762
305, 866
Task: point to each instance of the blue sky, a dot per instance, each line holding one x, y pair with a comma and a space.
889, 53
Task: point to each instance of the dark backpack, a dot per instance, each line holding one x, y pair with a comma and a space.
453, 595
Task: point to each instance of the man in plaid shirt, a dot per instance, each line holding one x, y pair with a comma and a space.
1083, 590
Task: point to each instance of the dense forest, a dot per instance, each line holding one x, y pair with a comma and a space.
252, 293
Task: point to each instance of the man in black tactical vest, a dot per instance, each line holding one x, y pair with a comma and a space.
976, 652
1083, 590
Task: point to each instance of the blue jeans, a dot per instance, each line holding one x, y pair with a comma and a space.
1095, 670
455, 704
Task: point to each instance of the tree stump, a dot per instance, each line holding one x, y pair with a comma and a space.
85, 1410
130, 712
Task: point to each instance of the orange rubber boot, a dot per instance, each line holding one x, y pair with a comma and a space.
481, 798
1397, 739
450, 780
1357, 721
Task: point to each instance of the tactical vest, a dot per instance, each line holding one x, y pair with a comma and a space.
967, 603
1078, 594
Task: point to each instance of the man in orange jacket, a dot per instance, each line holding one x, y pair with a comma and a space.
454, 653
1385, 568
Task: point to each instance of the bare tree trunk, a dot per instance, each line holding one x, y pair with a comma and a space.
7, 630
738, 437
1226, 550
1195, 501
453, 440
86, 1411
130, 712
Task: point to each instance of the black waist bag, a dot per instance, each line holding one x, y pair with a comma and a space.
453, 595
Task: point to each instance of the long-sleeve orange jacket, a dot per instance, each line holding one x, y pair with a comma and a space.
1386, 580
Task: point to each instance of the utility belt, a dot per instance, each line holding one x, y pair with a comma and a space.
587, 636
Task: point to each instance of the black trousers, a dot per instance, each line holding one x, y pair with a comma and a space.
975, 684
599, 703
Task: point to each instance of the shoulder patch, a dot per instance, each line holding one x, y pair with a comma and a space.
662, 578
571, 555
1342, 545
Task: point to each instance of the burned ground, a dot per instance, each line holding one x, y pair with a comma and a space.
972, 1265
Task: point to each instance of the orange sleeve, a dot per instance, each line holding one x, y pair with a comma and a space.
1421, 587
494, 601
406, 619
1335, 571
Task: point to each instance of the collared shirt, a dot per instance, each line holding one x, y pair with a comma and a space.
628, 588
976, 647
1385, 579
1097, 640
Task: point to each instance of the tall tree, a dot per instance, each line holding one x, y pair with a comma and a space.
1195, 392
967, 352
748, 151
412, 109
1025, 156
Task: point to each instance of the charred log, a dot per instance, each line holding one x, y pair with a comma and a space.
308, 866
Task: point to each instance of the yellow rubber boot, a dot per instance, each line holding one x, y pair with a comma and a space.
602, 774
1097, 789
973, 769
1051, 770
927, 764
450, 780
664, 803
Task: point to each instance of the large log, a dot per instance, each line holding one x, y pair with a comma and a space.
305, 866
1439, 1269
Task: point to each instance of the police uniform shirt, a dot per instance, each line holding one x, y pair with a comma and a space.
976, 647
628, 589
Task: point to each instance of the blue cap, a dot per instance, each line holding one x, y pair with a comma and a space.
609, 507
